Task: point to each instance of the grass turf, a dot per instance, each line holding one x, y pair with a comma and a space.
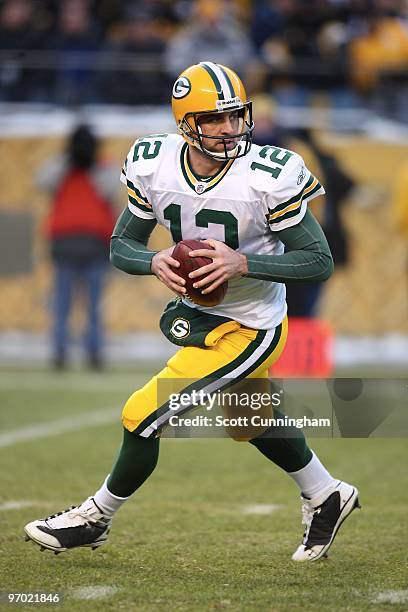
183, 542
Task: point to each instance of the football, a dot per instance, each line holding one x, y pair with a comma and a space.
188, 264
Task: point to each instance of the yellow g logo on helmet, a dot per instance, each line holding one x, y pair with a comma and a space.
211, 88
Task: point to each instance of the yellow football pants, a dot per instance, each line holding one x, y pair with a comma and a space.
239, 354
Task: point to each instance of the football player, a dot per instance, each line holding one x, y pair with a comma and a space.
250, 204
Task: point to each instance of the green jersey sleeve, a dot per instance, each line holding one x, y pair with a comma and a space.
307, 256
128, 250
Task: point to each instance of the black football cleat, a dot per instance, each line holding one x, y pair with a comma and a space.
78, 526
323, 517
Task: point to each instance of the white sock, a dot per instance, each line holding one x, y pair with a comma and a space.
313, 478
106, 501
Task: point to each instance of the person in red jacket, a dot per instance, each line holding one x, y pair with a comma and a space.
79, 226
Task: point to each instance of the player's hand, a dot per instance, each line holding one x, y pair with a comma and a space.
162, 266
226, 264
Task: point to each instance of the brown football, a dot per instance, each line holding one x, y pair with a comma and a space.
188, 264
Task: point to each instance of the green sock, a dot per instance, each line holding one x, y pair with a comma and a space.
284, 446
136, 461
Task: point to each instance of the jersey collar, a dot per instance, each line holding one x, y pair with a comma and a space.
198, 184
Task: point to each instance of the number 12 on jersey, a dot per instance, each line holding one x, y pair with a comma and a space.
202, 219
274, 156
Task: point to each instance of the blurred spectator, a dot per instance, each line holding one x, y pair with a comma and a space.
334, 68
107, 13
306, 51
140, 80
380, 57
400, 207
211, 34
75, 40
267, 131
268, 20
79, 227
345, 52
400, 199
168, 13
16, 34
303, 298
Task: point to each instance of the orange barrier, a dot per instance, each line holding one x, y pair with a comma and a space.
308, 351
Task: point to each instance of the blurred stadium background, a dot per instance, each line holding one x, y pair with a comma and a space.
334, 68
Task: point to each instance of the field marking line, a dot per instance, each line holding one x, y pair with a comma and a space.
39, 382
261, 509
78, 422
391, 597
16, 505
94, 592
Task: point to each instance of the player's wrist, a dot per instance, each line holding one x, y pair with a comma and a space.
243, 264
153, 262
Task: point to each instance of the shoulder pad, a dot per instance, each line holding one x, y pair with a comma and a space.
146, 153
270, 167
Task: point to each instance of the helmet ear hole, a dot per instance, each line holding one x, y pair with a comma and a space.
190, 120
187, 131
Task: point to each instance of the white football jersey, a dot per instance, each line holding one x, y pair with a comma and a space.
244, 205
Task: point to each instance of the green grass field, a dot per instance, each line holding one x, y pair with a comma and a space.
186, 541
